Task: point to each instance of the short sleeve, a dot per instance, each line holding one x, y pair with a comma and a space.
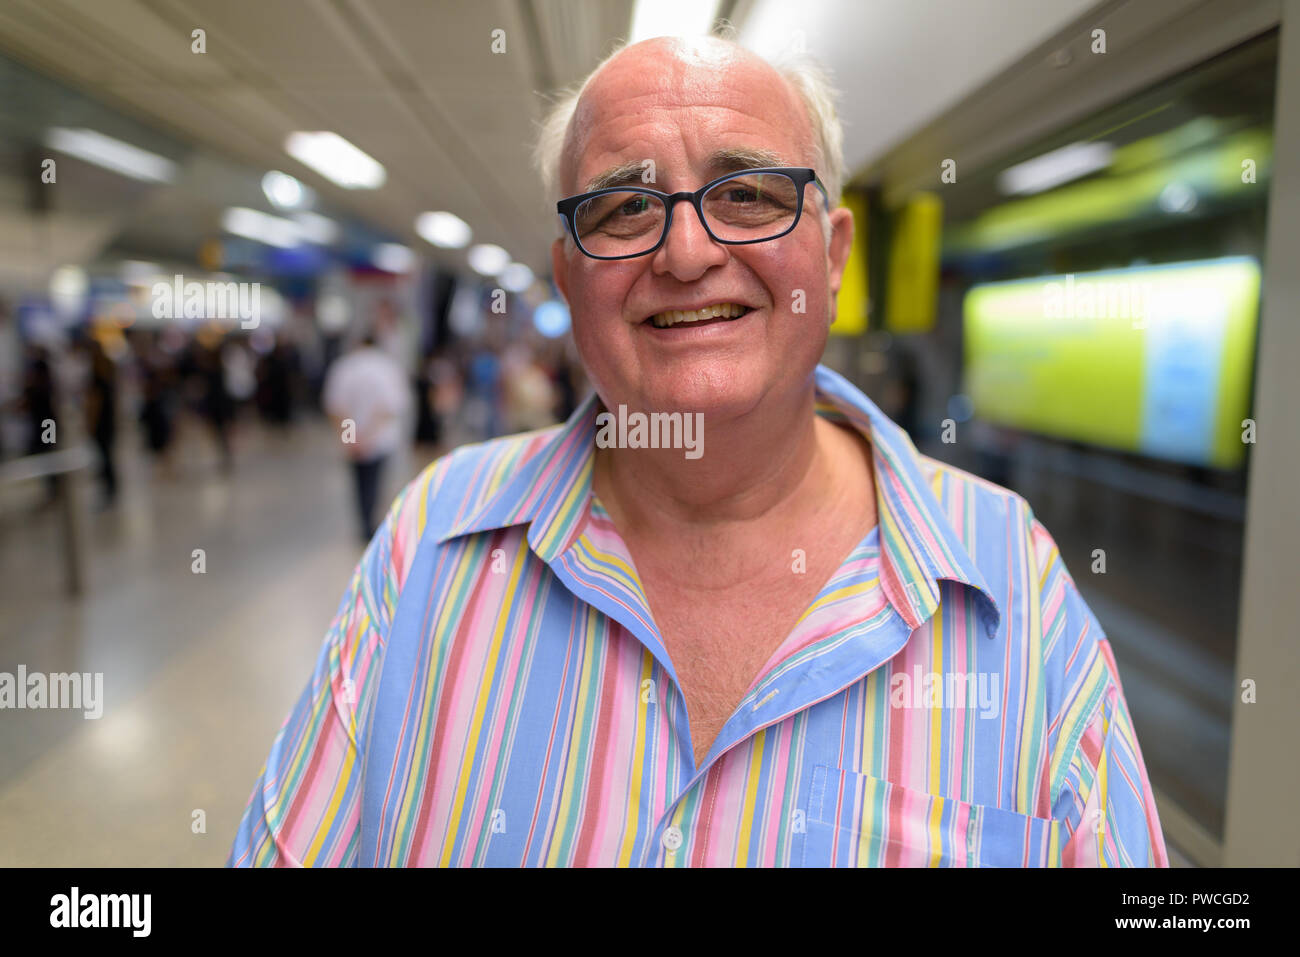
305, 806
1100, 790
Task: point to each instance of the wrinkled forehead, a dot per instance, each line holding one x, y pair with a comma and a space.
673, 100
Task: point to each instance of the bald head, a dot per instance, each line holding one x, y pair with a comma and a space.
661, 78
709, 72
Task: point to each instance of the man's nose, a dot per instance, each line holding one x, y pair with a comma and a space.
688, 249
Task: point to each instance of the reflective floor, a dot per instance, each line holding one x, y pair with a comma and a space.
199, 669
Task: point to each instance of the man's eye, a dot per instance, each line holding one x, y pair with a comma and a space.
738, 194
634, 206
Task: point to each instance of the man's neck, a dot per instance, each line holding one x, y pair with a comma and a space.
761, 477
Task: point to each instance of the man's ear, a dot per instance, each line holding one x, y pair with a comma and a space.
841, 219
558, 272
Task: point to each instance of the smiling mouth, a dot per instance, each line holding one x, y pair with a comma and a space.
720, 312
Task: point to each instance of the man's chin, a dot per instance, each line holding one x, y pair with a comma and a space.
717, 400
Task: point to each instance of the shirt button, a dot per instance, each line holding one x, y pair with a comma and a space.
672, 838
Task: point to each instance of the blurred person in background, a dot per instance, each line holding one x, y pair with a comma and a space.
101, 414
39, 404
367, 396
528, 393
13, 434
447, 398
482, 412
40, 401
215, 403
278, 379
158, 399
569, 648
428, 424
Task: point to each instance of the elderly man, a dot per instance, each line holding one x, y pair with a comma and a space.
795, 642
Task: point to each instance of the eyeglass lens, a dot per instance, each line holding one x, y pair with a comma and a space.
745, 208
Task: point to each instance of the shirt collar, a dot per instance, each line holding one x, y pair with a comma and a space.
551, 492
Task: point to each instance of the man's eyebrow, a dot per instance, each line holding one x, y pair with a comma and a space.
622, 175
720, 162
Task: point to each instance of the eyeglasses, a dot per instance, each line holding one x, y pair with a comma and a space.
752, 206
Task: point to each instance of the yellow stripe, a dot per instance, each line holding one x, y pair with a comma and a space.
867, 818
422, 735
751, 798
638, 761
1071, 720
476, 723
1033, 657
323, 829
422, 512
936, 835
872, 689
581, 485
910, 566
848, 591
1103, 806
304, 742
1047, 568
572, 777
936, 714
608, 558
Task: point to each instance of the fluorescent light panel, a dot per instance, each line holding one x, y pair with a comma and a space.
316, 228
444, 230
336, 159
285, 191
1052, 169
674, 18
115, 155
487, 259
261, 227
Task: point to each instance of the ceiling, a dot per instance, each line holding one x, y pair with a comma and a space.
416, 84
447, 117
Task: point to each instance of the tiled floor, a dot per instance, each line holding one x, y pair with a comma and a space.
199, 669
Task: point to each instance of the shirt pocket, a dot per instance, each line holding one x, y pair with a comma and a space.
856, 820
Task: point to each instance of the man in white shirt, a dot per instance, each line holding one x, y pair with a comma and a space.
367, 396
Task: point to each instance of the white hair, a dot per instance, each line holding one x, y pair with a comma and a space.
808, 78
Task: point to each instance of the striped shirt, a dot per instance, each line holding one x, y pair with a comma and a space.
494, 691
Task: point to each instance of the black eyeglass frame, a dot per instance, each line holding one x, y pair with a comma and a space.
801, 175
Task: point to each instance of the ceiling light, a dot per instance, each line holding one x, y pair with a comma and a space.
487, 259
285, 191
393, 257
316, 228
261, 227
111, 154
1054, 168
673, 18
336, 159
516, 277
445, 230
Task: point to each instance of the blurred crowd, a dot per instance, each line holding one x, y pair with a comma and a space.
128, 390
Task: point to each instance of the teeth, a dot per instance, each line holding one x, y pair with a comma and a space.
729, 309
